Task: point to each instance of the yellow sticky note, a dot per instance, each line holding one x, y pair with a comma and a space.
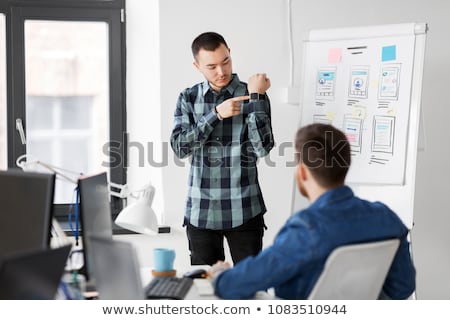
331, 116
392, 112
359, 112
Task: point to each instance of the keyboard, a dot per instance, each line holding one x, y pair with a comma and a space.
168, 288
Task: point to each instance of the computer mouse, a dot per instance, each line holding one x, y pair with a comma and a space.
196, 273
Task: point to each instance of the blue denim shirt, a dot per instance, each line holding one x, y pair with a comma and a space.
294, 262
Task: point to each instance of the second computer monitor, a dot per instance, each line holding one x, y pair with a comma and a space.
95, 213
26, 202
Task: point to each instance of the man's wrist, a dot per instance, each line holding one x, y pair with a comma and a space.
218, 114
256, 96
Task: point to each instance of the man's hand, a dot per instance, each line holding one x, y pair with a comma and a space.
258, 83
217, 269
230, 107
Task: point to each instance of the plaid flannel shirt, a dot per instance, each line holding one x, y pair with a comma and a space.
224, 191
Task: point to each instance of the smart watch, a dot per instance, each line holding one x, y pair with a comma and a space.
255, 96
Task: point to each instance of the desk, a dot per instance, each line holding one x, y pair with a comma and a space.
145, 244
202, 288
177, 240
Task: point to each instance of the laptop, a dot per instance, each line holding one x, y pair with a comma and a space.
33, 275
117, 274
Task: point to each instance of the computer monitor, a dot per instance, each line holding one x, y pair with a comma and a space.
95, 215
26, 201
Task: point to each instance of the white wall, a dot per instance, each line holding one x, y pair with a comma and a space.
257, 45
256, 31
143, 97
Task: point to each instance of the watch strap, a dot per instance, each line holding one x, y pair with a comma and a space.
255, 96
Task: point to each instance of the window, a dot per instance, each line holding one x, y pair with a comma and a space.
66, 80
67, 96
61, 132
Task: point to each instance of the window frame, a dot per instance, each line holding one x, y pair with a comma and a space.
3, 10
110, 11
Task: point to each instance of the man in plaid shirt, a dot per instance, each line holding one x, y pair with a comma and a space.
224, 125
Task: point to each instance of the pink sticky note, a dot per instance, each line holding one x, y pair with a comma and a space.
334, 55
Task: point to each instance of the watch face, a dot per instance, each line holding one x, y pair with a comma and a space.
256, 96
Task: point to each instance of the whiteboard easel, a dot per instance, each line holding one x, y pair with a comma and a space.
349, 76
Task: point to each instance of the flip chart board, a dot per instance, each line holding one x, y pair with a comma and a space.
367, 82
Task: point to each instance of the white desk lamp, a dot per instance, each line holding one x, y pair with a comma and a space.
139, 216
28, 163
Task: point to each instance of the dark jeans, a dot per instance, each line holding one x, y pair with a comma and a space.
206, 245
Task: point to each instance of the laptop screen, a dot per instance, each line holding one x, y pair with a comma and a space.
116, 269
26, 201
33, 275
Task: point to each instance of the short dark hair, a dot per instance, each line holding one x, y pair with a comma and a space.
325, 150
208, 41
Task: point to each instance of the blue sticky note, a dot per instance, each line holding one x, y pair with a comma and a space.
389, 53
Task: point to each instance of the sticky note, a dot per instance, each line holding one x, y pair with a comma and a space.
330, 116
334, 55
359, 112
389, 53
392, 111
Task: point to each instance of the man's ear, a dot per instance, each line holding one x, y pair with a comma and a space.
302, 171
196, 65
